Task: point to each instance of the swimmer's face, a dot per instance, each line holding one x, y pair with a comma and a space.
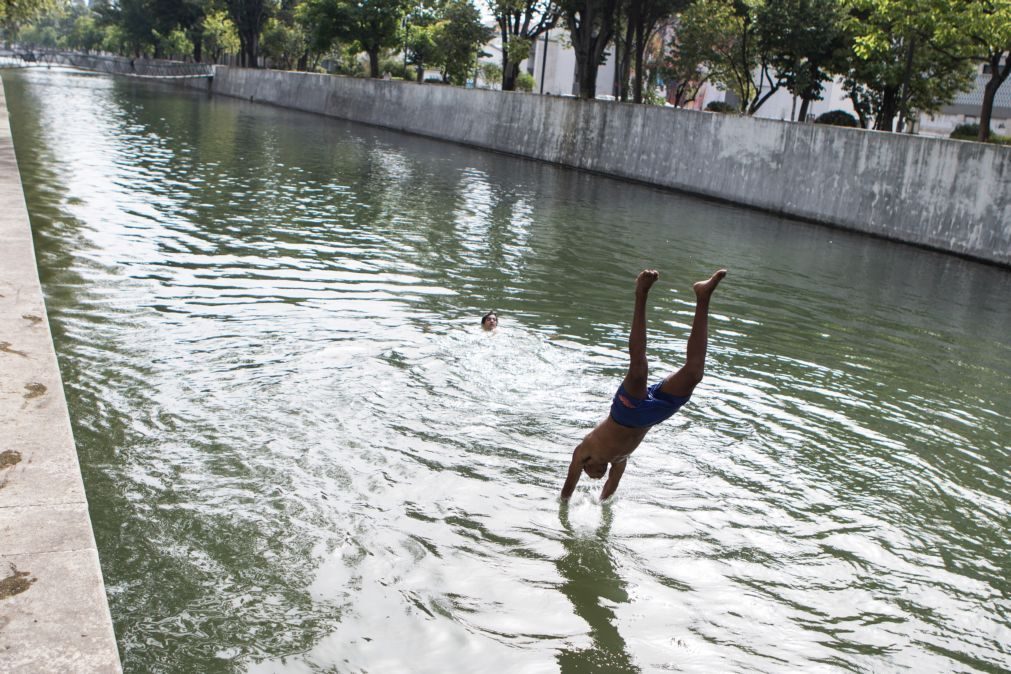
489, 322
594, 469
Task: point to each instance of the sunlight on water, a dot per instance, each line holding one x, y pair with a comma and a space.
302, 454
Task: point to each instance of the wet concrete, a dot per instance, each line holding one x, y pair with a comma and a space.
54, 615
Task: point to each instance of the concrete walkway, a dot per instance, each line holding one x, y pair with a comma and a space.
54, 616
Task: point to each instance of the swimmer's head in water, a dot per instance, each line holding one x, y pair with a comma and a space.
594, 469
489, 321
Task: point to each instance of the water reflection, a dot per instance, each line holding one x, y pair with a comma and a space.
594, 587
302, 454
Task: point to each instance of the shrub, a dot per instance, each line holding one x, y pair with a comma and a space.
971, 132
525, 82
837, 118
966, 132
393, 66
720, 106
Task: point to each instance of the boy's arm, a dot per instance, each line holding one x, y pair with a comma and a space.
613, 478
575, 470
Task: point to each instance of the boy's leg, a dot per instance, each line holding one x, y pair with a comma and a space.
683, 382
638, 367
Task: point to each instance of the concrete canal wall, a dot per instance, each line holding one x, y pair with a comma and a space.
953, 196
54, 616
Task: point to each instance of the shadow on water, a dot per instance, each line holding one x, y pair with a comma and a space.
593, 585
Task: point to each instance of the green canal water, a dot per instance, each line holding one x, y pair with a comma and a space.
302, 454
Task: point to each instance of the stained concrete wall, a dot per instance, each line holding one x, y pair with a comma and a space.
54, 616
949, 195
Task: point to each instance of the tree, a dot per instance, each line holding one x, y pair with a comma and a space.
804, 42
175, 44
721, 34
421, 31
986, 24
322, 22
85, 34
284, 44
905, 58
520, 22
250, 17
591, 27
15, 13
219, 36
491, 73
644, 16
682, 69
370, 25
459, 39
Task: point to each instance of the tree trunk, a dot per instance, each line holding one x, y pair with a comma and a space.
635, 19
640, 51
906, 75
588, 79
303, 61
252, 45
374, 64
624, 64
804, 104
198, 45
886, 113
997, 77
510, 71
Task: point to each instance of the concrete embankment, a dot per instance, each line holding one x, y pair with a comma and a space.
948, 195
54, 616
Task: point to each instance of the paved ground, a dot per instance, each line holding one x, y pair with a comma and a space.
54, 616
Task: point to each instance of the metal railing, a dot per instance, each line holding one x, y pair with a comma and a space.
26, 57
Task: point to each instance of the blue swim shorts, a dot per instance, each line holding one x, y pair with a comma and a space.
657, 406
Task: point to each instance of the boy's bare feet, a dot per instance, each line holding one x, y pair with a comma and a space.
703, 289
645, 280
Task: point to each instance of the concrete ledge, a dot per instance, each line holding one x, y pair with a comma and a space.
54, 615
952, 196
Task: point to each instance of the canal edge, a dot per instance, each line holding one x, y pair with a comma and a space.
54, 612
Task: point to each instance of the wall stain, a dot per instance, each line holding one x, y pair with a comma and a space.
16, 583
32, 318
6, 348
35, 389
8, 458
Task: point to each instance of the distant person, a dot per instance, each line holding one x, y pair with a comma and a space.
637, 407
489, 321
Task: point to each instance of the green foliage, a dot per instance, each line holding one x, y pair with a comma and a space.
219, 36
491, 73
682, 62
459, 39
174, 45
905, 58
283, 44
15, 13
720, 106
837, 118
369, 26
85, 35
422, 45
803, 41
395, 67
520, 22
525, 82
114, 40
971, 132
40, 36
717, 36
965, 131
